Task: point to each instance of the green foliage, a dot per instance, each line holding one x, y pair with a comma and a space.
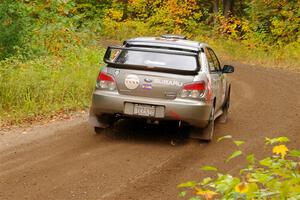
276, 57
275, 22
122, 31
44, 27
209, 168
276, 140
91, 9
59, 73
169, 16
15, 28
46, 85
234, 155
224, 137
254, 28
272, 178
56, 27
41, 42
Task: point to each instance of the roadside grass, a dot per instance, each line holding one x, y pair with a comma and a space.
47, 85
282, 58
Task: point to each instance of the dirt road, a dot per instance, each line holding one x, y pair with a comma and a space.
65, 160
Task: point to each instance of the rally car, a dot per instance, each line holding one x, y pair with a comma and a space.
166, 78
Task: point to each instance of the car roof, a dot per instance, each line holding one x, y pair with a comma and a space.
170, 41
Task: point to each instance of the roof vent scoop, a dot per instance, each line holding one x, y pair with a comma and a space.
171, 36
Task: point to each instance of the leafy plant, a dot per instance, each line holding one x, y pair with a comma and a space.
44, 86
48, 49
272, 178
15, 28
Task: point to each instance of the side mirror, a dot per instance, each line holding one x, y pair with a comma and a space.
228, 69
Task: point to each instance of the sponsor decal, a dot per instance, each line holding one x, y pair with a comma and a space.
132, 82
117, 72
168, 82
147, 80
147, 86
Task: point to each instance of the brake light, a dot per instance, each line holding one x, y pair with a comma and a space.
105, 81
104, 77
193, 90
195, 86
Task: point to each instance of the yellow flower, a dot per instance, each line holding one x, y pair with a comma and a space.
207, 194
280, 149
242, 187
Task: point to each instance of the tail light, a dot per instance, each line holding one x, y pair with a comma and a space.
106, 82
194, 90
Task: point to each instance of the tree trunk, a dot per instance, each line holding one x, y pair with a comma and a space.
216, 5
227, 7
125, 10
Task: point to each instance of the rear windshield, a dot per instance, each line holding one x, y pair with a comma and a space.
161, 60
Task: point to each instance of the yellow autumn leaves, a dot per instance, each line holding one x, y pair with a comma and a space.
206, 194
280, 149
268, 178
242, 187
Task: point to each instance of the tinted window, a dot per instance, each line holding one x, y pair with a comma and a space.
215, 60
209, 60
161, 60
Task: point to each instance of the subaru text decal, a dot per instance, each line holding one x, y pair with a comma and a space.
168, 82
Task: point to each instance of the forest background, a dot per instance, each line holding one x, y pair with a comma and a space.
50, 50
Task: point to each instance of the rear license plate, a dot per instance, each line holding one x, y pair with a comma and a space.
144, 110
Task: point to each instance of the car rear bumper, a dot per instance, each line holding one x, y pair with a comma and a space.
195, 113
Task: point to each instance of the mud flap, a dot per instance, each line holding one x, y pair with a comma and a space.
224, 117
202, 134
205, 134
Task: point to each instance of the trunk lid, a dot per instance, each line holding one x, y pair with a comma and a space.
149, 83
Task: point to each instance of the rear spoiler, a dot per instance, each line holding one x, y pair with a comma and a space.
110, 63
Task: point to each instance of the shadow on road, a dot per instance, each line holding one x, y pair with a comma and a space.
133, 130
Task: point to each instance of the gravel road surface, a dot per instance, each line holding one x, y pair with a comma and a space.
66, 160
